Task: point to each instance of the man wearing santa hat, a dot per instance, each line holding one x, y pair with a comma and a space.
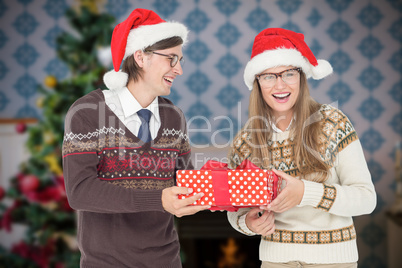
316, 151
122, 147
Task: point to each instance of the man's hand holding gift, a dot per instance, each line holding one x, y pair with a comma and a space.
181, 207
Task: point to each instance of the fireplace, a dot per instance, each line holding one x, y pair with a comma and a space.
209, 241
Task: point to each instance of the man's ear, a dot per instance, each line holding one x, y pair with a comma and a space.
139, 58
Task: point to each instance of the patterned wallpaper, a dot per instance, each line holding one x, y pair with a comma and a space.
361, 38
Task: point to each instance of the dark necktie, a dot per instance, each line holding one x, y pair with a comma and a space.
144, 134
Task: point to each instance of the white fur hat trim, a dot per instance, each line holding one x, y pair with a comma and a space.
147, 35
284, 57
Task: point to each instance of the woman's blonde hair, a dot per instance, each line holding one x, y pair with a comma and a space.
305, 129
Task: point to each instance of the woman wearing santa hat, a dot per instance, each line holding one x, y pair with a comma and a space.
313, 147
122, 147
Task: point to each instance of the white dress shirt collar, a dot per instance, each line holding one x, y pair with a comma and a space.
131, 106
277, 130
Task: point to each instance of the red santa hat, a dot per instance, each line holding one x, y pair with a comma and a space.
280, 47
140, 30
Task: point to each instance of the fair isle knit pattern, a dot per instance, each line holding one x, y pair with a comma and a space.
173, 132
128, 160
328, 198
313, 237
122, 160
320, 229
89, 135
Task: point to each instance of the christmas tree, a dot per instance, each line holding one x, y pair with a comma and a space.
36, 197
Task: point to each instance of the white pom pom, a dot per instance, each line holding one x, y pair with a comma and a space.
323, 69
115, 80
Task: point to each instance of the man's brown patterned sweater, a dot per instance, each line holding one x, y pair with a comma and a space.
115, 182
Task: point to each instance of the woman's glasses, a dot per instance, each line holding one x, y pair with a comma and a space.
173, 58
290, 77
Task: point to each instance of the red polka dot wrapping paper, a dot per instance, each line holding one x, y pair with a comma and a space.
244, 187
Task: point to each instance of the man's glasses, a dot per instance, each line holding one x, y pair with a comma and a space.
173, 58
290, 77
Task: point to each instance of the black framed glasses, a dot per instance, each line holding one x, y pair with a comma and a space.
174, 59
289, 76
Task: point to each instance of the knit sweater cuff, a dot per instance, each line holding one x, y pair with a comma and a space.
313, 193
243, 226
151, 202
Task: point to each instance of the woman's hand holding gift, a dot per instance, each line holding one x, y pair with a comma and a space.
290, 196
260, 221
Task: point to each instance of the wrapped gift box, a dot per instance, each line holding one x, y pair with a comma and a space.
225, 189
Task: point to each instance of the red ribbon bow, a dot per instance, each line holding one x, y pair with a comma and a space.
216, 165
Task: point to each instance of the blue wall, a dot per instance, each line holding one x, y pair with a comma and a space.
362, 40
